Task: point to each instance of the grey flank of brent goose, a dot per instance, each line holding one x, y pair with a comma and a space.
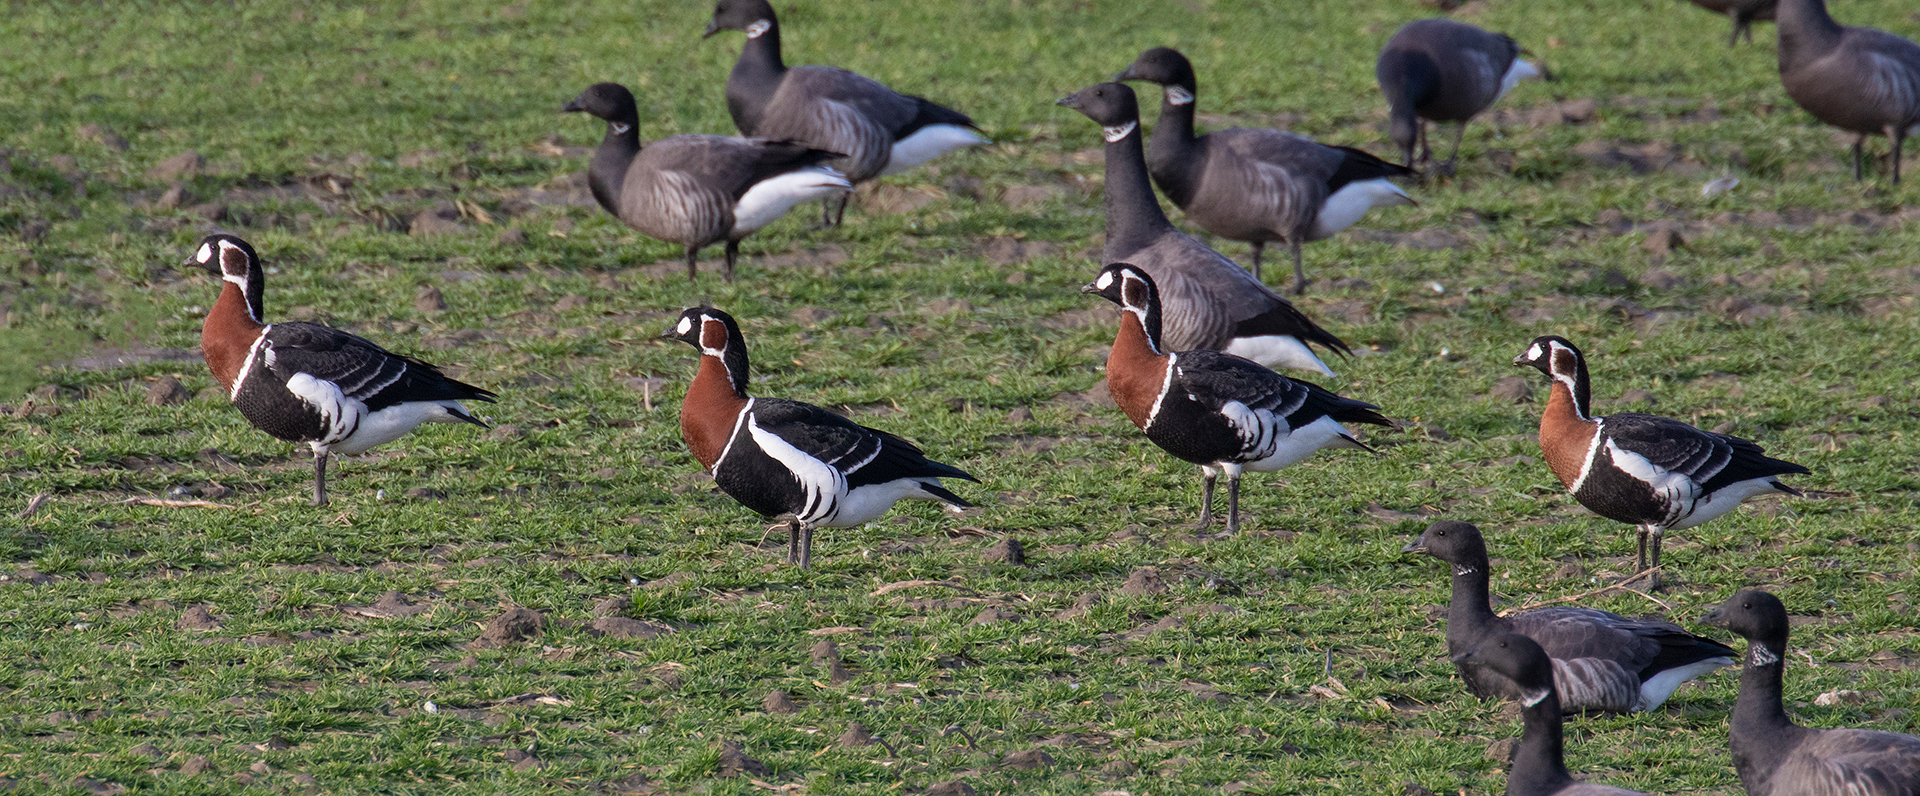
1255, 184
1206, 300
1742, 12
1601, 661
1775, 757
698, 190
1439, 70
879, 131
1861, 80
1539, 760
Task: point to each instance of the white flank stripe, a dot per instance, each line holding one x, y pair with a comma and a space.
1352, 201
823, 484
340, 413
927, 143
771, 198
1676, 490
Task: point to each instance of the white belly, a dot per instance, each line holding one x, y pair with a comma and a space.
1352, 201
868, 503
1303, 442
1520, 70
1725, 500
393, 422
927, 143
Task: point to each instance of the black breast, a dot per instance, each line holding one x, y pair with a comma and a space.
758, 481
1192, 432
264, 401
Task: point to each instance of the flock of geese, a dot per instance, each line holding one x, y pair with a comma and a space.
1190, 360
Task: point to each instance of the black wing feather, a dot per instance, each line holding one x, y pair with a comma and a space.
363, 370
865, 455
1713, 460
1214, 378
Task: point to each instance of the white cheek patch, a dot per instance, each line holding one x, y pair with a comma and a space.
1105, 281
1116, 133
686, 325
758, 28
1534, 351
205, 254
1178, 95
1759, 655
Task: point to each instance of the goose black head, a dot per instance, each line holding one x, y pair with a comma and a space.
755, 17
226, 256
1516, 658
1128, 286
1111, 104
609, 101
714, 334
1551, 355
1451, 541
1164, 66
1753, 614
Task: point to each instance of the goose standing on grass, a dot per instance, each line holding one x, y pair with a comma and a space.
1653, 472
791, 461
697, 190
1444, 71
1743, 13
1539, 760
1222, 412
1601, 661
303, 382
1256, 185
1775, 757
1209, 302
1861, 80
878, 131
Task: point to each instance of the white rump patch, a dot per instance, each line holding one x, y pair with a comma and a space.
1532, 698
393, 422
1725, 499
1116, 133
1179, 95
1520, 70
771, 198
1279, 351
1657, 688
1352, 201
759, 28
927, 143
1759, 655
1295, 446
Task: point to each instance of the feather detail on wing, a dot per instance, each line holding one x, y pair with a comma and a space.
361, 370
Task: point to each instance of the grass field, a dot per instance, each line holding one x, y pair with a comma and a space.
1304, 656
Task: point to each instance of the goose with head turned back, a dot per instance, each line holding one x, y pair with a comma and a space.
1539, 760
1601, 661
1207, 301
1256, 184
1775, 757
1861, 80
697, 190
878, 130
1444, 71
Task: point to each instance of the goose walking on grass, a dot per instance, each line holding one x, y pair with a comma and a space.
303, 382
1861, 80
697, 190
877, 130
1444, 71
1256, 184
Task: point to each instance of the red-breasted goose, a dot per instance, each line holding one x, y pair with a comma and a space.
303, 382
1655, 473
878, 130
1861, 80
1775, 757
791, 461
1222, 412
698, 190
1742, 12
1539, 760
1209, 301
1444, 71
1256, 185
1601, 661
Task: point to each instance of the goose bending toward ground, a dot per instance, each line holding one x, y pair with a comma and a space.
1444, 71
1207, 300
1775, 757
792, 461
303, 382
1601, 661
1222, 412
878, 131
697, 190
1256, 185
1539, 760
1742, 12
1653, 472
1861, 80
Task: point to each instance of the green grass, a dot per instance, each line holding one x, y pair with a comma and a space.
407, 106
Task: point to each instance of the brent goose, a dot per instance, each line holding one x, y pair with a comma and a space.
697, 190
303, 382
795, 462
1209, 301
1774, 756
1256, 185
1539, 760
1222, 412
1743, 13
879, 131
1444, 71
1861, 80
1601, 661
1657, 473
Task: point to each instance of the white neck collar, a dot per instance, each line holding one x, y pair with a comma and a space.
759, 27
1179, 95
1113, 134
